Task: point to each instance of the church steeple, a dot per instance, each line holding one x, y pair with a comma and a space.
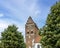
30, 20
31, 32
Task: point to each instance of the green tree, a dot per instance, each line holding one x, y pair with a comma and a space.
51, 31
11, 38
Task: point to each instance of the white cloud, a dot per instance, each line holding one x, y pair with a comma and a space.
5, 22
37, 12
1, 14
21, 8
3, 25
33, 8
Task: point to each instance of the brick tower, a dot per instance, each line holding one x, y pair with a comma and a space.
31, 33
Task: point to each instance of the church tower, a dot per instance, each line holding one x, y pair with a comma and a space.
31, 33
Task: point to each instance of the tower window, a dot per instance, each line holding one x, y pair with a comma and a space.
31, 32
38, 46
27, 32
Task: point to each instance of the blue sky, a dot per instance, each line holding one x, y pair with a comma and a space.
17, 12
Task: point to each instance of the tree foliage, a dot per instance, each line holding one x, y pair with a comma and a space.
51, 31
11, 38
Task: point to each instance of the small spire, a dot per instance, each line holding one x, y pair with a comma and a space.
29, 17
30, 20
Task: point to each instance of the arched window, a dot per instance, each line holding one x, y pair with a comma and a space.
38, 46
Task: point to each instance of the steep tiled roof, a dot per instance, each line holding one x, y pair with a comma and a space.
30, 20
